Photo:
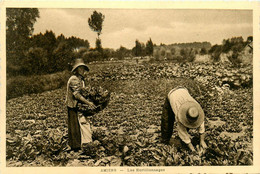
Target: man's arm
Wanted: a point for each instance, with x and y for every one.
(184, 136)
(191, 147)
(202, 141)
(202, 136)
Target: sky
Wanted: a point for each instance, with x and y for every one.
(122, 27)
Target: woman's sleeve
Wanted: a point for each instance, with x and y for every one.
(75, 86)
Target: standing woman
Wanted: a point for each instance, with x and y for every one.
(74, 85)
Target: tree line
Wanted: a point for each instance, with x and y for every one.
(45, 53)
(180, 52)
(234, 46)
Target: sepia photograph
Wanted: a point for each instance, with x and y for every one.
(129, 87)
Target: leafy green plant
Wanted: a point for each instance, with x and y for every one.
(99, 96)
(127, 133)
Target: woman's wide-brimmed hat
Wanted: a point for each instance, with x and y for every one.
(79, 62)
(191, 114)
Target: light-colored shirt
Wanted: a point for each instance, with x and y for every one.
(74, 85)
(177, 97)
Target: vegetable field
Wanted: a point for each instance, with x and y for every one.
(127, 131)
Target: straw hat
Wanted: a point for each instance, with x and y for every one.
(191, 114)
(79, 62)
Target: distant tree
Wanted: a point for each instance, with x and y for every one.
(156, 55)
(79, 52)
(213, 48)
(49, 41)
(46, 41)
(122, 52)
(35, 61)
(149, 47)
(108, 53)
(137, 50)
(98, 45)
(215, 52)
(59, 50)
(37, 40)
(187, 54)
(61, 38)
(234, 59)
(183, 52)
(191, 55)
(173, 51)
(95, 22)
(168, 54)
(237, 46)
(162, 44)
(75, 42)
(82, 52)
(226, 46)
(19, 27)
(235, 40)
(143, 50)
(235, 43)
(92, 55)
(62, 55)
(162, 53)
(203, 51)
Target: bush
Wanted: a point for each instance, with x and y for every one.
(156, 57)
(92, 55)
(215, 52)
(188, 54)
(162, 52)
(21, 85)
(203, 51)
(234, 59)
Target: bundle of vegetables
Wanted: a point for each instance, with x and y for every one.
(98, 95)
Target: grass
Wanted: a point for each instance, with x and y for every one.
(22, 85)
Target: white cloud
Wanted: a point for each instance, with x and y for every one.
(123, 27)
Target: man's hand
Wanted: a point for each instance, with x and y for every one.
(191, 147)
(202, 142)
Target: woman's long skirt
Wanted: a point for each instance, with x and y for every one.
(85, 129)
(74, 129)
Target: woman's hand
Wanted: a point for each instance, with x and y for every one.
(91, 105)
